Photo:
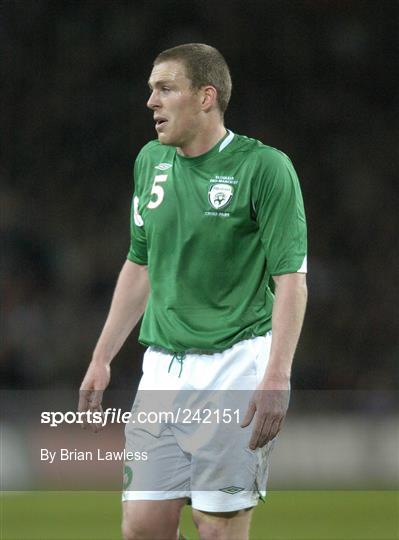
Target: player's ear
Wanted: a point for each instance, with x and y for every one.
(209, 97)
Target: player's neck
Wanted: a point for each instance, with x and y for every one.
(204, 140)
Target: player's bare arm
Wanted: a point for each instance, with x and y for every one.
(127, 306)
(269, 402)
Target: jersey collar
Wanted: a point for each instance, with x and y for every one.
(219, 147)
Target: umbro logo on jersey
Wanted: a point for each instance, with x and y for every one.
(163, 166)
(232, 490)
(220, 195)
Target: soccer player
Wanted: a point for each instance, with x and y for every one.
(217, 264)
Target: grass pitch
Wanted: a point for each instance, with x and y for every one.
(286, 515)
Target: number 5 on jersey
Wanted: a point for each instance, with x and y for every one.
(157, 190)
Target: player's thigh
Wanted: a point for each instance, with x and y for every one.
(223, 525)
(151, 520)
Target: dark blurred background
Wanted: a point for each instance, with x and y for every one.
(316, 79)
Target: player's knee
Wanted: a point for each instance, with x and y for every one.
(139, 523)
(210, 528)
(136, 526)
(136, 530)
(221, 526)
(211, 531)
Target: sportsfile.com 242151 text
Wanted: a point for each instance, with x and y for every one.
(113, 415)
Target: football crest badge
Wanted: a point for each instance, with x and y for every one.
(127, 476)
(220, 195)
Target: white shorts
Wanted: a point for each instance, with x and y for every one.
(191, 409)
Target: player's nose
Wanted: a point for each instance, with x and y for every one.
(153, 101)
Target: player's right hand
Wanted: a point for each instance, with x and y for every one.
(91, 392)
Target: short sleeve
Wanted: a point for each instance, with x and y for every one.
(138, 241)
(280, 214)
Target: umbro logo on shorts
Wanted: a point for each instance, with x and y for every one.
(232, 490)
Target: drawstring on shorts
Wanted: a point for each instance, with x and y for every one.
(180, 359)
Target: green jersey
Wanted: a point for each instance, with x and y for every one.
(213, 229)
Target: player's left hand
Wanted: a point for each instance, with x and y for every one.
(91, 393)
(268, 404)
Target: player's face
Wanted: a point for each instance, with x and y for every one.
(175, 104)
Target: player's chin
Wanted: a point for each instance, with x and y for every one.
(163, 138)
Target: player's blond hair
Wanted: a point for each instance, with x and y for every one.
(204, 65)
